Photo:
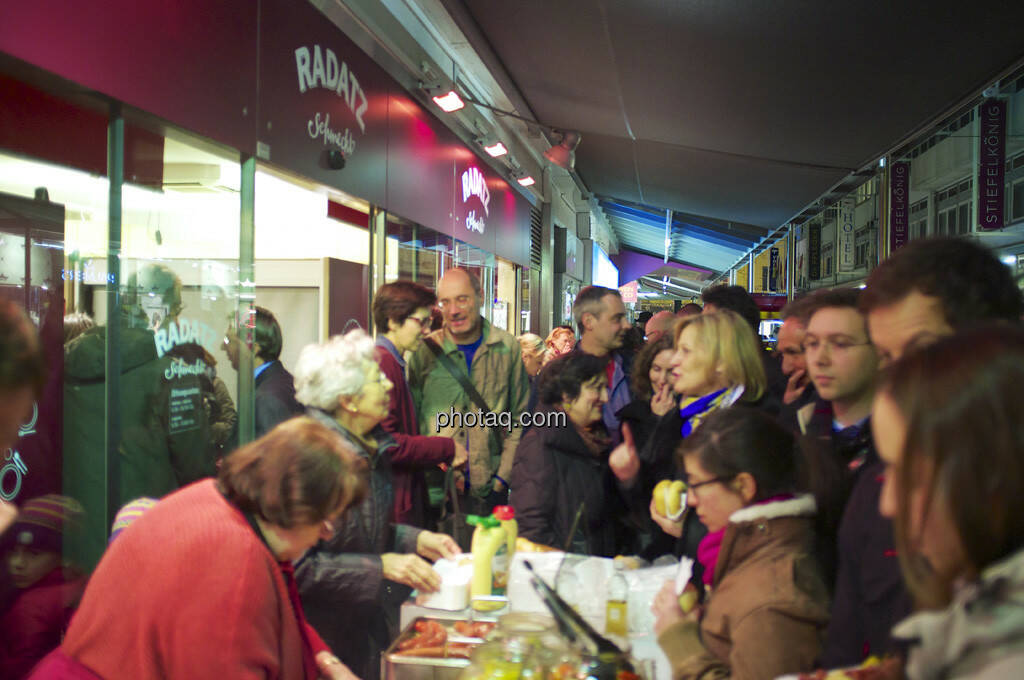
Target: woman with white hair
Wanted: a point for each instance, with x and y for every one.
(351, 585)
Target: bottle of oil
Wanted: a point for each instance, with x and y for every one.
(616, 621)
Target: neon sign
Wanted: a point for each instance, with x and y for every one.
(474, 184)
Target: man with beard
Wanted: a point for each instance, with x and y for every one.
(601, 318)
(469, 349)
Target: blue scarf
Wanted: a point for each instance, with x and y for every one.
(695, 411)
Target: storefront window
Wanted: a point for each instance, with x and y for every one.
(416, 253)
(504, 312)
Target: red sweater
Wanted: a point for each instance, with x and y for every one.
(190, 591)
(414, 453)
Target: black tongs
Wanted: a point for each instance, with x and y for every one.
(573, 626)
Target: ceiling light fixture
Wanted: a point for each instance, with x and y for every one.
(449, 102)
(525, 181)
(562, 154)
(496, 149)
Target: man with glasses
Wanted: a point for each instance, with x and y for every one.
(402, 314)
(468, 349)
(857, 545)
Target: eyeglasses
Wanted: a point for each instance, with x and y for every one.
(460, 301)
(693, 486)
(833, 345)
(422, 322)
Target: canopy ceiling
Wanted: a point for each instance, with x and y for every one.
(736, 114)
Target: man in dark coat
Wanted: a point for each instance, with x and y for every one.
(275, 388)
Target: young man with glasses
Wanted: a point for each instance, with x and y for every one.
(857, 546)
(402, 314)
(488, 359)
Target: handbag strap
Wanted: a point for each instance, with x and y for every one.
(456, 513)
(463, 380)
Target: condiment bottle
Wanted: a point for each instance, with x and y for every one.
(488, 539)
(505, 514)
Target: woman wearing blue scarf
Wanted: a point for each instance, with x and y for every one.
(717, 364)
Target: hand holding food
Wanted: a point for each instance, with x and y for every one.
(688, 600)
(666, 608)
(669, 498)
(670, 527)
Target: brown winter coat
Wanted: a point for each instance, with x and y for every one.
(769, 608)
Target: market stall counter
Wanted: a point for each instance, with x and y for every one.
(448, 637)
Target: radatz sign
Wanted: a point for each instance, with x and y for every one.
(899, 205)
(992, 164)
(323, 102)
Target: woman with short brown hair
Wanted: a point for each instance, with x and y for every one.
(202, 585)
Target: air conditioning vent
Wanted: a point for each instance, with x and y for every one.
(195, 178)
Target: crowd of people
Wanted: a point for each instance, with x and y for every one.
(857, 492)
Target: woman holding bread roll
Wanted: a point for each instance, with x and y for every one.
(767, 606)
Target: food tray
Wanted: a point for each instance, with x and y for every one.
(395, 666)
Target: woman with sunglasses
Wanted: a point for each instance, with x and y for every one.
(401, 313)
(948, 422)
(768, 604)
(352, 584)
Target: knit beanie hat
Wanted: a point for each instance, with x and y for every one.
(129, 513)
(43, 521)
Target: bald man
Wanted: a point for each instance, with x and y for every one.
(661, 323)
(491, 360)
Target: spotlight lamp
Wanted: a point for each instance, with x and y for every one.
(563, 154)
(449, 102)
(496, 149)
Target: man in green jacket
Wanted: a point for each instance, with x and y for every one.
(491, 359)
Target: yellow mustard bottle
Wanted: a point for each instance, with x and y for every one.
(502, 561)
(488, 539)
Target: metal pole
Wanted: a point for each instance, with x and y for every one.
(750, 272)
(112, 385)
(668, 232)
(790, 262)
(246, 313)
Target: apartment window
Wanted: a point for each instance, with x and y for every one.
(954, 209)
(919, 219)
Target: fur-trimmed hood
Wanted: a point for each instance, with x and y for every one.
(798, 506)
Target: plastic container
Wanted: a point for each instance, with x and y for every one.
(488, 539)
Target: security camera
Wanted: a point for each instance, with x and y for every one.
(335, 159)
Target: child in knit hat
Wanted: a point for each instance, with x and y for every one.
(128, 514)
(47, 591)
